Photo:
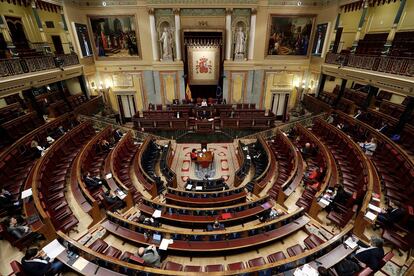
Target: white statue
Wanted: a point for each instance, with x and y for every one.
(166, 41)
(240, 40)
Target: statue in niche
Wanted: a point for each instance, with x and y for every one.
(166, 40)
(240, 43)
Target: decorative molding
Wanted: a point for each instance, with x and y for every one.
(202, 12)
(153, 2)
(303, 2)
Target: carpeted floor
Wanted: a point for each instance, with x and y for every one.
(224, 163)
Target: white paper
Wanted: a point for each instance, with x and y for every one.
(27, 193)
(199, 188)
(248, 157)
(80, 264)
(156, 214)
(323, 202)
(164, 243)
(108, 176)
(351, 243)
(188, 187)
(370, 216)
(374, 208)
(376, 199)
(120, 194)
(53, 249)
(306, 270)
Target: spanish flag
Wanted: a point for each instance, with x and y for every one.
(188, 93)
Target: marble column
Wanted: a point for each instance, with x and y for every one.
(65, 27)
(177, 33)
(38, 22)
(228, 34)
(332, 46)
(360, 25)
(154, 40)
(393, 30)
(250, 55)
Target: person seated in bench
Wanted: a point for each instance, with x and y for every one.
(391, 215)
(7, 203)
(308, 150)
(358, 114)
(369, 147)
(37, 149)
(365, 256)
(16, 229)
(150, 256)
(204, 102)
(35, 263)
(104, 145)
(118, 135)
(95, 182)
(193, 155)
(113, 200)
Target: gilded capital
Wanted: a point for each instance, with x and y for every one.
(176, 11)
(229, 11)
(151, 11)
(253, 11)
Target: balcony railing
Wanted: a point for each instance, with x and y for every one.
(17, 66)
(390, 65)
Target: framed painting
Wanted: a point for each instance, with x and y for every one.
(289, 35)
(114, 36)
(321, 32)
(83, 39)
(203, 62)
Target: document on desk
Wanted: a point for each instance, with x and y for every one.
(53, 249)
(370, 216)
(156, 214)
(80, 264)
(323, 202)
(351, 243)
(27, 193)
(165, 243)
(374, 208)
(108, 176)
(199, 188)
(188, 187)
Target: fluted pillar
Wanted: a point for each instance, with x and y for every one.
(177, 33)
(252, 34)
(154, 40)
(334, 48)
(228, 33)
(360, 25)
(393, 30)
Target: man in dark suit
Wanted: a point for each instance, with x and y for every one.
(7, 202)
(371, 256)
(95, 182)
(34, 263)
(391, 215)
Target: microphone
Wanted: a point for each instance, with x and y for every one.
(97, 266)
(318, 262)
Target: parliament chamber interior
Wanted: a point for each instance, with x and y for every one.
(245, 137)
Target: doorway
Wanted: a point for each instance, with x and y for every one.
(57, 43)
(126, 104)
(280, 103)
(17, 33)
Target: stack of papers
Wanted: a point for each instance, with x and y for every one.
(374, 208)
(306, 270)
(323, 202)
(120, 194)
(188, 187)
(53, 249)
(108, 176)
(370, 216)
(165, 243)
(156, 214)
(351, 243)
(80, 264)
(199, 188)
(27, 193)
